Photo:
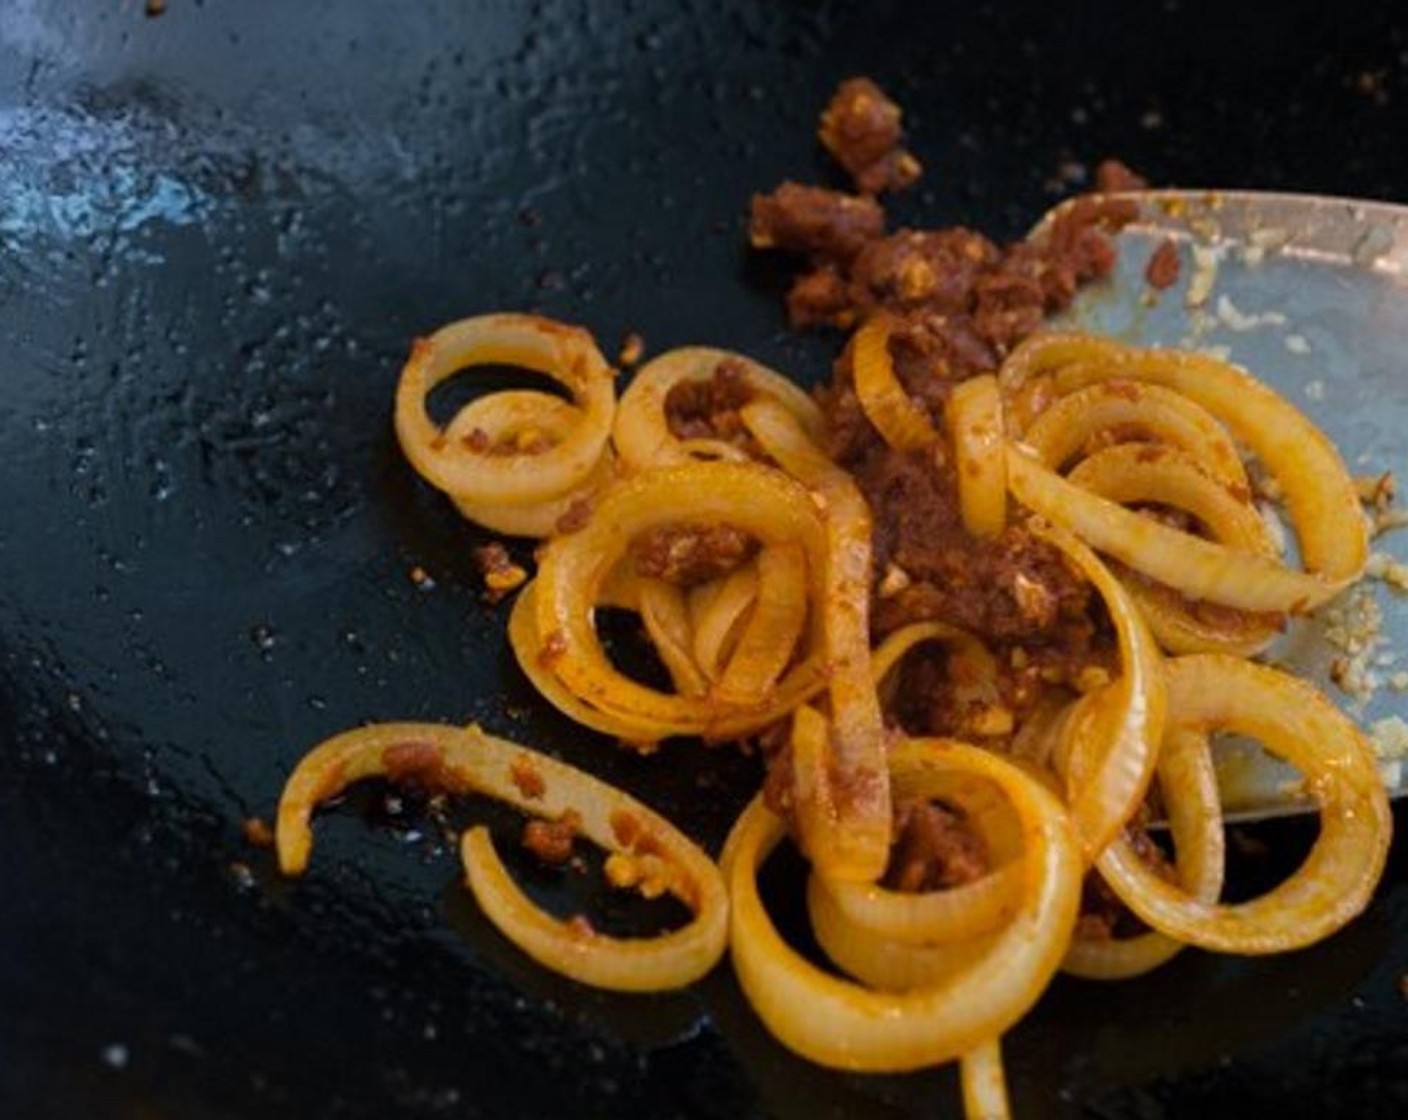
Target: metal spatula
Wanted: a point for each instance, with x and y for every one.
(1311, 294)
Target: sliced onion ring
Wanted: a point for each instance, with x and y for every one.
(1112, 735)
(1291, 719)
(856, 844)
(901, 423)
(1188, 785)
(975, 426)
(1065, 428)
(756, 499)
(565, 353)
(1199, 568)
(642, 433)
(503, 416)
(1320, 494)
(836, 1023)
(1131, 473)
(466, 759)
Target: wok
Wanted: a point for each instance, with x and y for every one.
(219, 230)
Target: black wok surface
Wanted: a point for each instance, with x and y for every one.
(219, 230)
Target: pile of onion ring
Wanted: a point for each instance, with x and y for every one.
(1079, 438)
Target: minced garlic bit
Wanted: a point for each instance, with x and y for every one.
(1297, 344)
(1206, 259)
(1389, 737)
(1382, 566)
(1235, 319)
(1275, 527)
(1354, 627)
(1315, 390)
(991, 721)
(1092, 677)
(648, 874)
(895, 580)
(1384, 521)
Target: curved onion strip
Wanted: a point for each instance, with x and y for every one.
(975, 425)
(528, 645)
(897, 643)
(666, 620)
(1043, 729)
(836, 1023)
(972, 669)
(642, 432)
(1130, 473)
(671, 960)
(509, 417)
(701, 447)
(538, 519)
(955, 913)
(1112, 738)
(1319, 492)
(1295, 722)
(773, 629)
(1068, 425)
(901, 423)
(1024, 402)
(756, 499)
(1199, 568)
(886, 963)
(717, 610)
(1188, 784)
(856, 844)
(566, 354)
(466, 759)
(1179, 627)
(623, 587)
(984, 1083)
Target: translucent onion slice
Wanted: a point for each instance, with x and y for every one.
(513, 416)
(975, 425)
(466, 759)
(1188, 785)
(642, 432)
(836, 1023)
(478, 476)
(1129, 473)
(756, 499)
(528, 646)
(1198, 568)
(1132, 473)
(1170, 418)
(901, 423)
(984, 1082)
(956, 913)
(856, 845)
(972, 667)
(1111, 737)
(1293, 721)
(1319, 491)
(717, 610)
(886, 963)
(774, 627)
(666, 619)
